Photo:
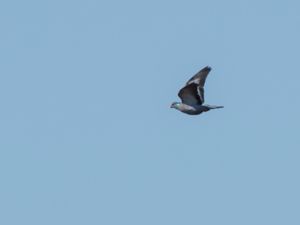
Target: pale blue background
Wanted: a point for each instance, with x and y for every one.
(87, 135)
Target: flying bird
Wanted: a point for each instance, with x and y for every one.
(192, 95)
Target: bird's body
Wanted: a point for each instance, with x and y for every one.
(194, 109)
(192, 95)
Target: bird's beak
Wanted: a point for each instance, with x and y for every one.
(171, 106)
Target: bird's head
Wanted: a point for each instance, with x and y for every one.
(175, 105)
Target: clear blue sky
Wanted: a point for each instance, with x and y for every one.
(87, 135)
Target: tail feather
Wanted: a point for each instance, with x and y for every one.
(214, 107)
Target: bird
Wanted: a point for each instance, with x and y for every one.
(192, 95)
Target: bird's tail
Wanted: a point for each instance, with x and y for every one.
(214, 106)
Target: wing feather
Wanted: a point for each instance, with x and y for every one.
(190, 94)
(200, 77)
(193, 92)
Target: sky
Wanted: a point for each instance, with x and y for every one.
(87, 133)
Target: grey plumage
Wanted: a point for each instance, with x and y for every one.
(192, 95)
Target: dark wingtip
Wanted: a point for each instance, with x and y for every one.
(207, 68)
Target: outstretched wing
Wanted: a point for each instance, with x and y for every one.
(193, 92)
(200, 77)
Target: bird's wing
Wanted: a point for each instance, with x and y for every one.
(200, 77)
(191, 94)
